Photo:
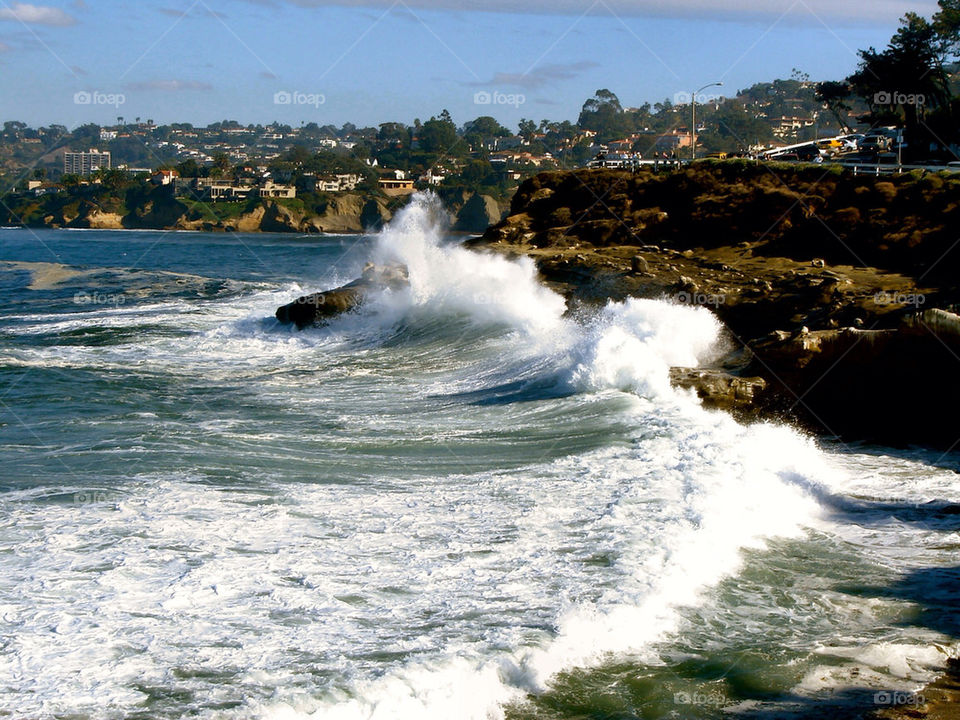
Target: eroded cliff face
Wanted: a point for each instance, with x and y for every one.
(837, 292)
(347, 213)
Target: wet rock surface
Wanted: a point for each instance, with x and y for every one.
(317, 308)
(843, 346)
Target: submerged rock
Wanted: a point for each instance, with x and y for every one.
(319, 307)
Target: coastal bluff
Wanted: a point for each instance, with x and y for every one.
(159, 209)
(838, 292)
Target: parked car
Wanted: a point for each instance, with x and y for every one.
(875, 143)
(851, 142)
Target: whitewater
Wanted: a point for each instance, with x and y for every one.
(462, 500)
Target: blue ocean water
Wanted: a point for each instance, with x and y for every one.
(457, 502)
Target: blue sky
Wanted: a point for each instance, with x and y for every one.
(372, 61)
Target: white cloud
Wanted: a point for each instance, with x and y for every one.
(36, 15)
(169, 85)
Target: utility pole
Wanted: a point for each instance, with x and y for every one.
(693, 118)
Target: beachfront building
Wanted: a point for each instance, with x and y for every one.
(164, 177)
(395, 182)
(218, 189)
(270, 189)
(789, 125)
(340, 182)
(432, 177)
(84, 163)
(672, 141)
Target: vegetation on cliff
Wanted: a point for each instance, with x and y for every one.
(899, 222)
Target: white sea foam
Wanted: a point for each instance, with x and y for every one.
(428, 597)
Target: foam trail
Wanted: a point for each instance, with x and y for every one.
(688, 502)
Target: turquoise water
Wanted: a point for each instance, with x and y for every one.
(457, 502)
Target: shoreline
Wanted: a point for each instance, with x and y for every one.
(819, 337)
(791, 318)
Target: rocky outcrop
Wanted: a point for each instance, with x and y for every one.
(375, 214)
(904, 223)
(893, 385)
(251, 221)
(161, 210)
(317, 308)
(721, 390)
(477, 214)
(98, 220)
(840, 346)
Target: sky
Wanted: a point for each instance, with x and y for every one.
(374, 61)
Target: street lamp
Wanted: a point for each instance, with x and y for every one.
(693, 118)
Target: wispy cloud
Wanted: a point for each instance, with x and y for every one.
(168, 86)
(198, 12)
(36, 15)
(538, 76)
(876, 12)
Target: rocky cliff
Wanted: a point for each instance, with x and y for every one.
(837, 292)
(158, 209)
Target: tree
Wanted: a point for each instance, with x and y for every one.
(906, 80)
(115, 179)
(189, 168)
(485, 126)
(438, 136)
(221, 165)
(394, 133)
(835, 95)
(527, 128)
(70, 182)
(733, 129)
(12, 129)
(946, 22)
(604, 114)
(477, 173)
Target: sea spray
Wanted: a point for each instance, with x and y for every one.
(452, 280)
(688, 502)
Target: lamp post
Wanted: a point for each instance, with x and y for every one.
(693, 118)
